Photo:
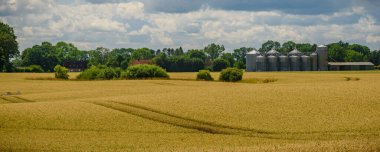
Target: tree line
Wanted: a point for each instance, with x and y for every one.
(213, 57)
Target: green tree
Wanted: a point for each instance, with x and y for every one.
(220, 64)
(306, 47)
(353, 56)
(214, 51)
(239, 55)
(119, 57)
(42, 55)
(374, 57)
(270, 44)
(8, 47)
(288, 46)
(336, 52)
(229, 57)
(197, 54)
(142, 54)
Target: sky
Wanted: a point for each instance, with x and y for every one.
(191, 24)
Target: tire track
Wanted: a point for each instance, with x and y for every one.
(15, 99)
(213, 128)
(180, 121)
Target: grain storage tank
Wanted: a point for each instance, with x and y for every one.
(273, 52)
(322, 58)
(295, 57)
(261, 63)
(295, 63)
(272, 63)
(284, 63)
(314, 61)
(306, 63)
(251, 59)
(295, 52)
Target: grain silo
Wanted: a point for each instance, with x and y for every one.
(322, 58)
(295, 60)
(261, 63)
(314, 61)
(306, 63)
(251, 59)
(272, 60)
(284, 63)
(272, 63)
(295, 63)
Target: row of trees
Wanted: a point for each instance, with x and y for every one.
(212, 57)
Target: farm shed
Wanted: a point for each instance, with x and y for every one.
(346, 66)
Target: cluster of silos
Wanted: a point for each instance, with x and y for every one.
(294, 61)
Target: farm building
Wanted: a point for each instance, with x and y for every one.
(293, 61)
(346, 66)
(299, 61)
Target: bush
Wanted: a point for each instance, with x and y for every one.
(204, 75)
(144, 71)
(31, 68)
(220, 64)
(106, 74)
(60, 72)
(231, 75)
(100, 73)
(89, 74)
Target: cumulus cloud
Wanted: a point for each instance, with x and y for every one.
(124, 23)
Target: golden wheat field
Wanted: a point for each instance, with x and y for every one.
(299, 111)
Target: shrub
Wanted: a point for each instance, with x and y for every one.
(204, 75)
(231, 75)
(220, 64)
(89, 74)
(60, 72)
(31, 68)
(101, 73)
(143, 71)
(106, 74)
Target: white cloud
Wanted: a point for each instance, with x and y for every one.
(129, 25)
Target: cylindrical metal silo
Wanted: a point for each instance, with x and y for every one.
(306, 63)
(251, 59)
(322, 58)
(295, 63)
(261, 63)
(284, 63)
(272, 63)
(314, 61)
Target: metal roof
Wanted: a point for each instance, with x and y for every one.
(254, 51)
(273, 52)
(350, 63)
(295, 52)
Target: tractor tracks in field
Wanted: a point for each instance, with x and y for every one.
(215, 128)
(180, 121)
(14, 99)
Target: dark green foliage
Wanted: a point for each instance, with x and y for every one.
(144, 71)
(214, 51)
(183, 64)
(31, 69)
(99, 73)
(229, 57)
(270, 45)
(8, 47)
(231, 75)
(197, 54)
(142, 54)
(204, 75)
(89, 74)
(220, 64)
(60, 72)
